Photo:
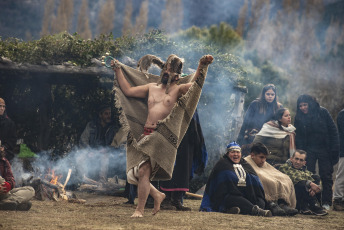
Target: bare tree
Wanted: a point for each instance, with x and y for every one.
(172, 16)
(142, 19)
(106, 17)
(127, 25)
(63, 20)
(242, 19)
(83, 21)
(47, 18)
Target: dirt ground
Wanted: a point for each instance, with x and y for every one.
(110, 212)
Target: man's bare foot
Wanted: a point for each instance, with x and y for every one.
(137, 214)
(157, 202)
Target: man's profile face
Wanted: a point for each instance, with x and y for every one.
(298, 160)
(234, 155)
(259, 159)
(105, 116)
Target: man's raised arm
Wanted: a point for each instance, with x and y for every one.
(203, 63)
(129, 91)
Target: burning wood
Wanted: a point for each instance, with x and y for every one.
(113, 186)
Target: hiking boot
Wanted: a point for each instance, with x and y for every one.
(318, 211)
(9, 205)
(233, 210)
(24, 206)
(167, 205)
(179, 206)
(288, 210)
(256, 211)
(338, 205)
(276, 210)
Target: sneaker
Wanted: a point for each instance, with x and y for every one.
(305, 211)
(10, 205)
(256, 211)
(338, 205)
(326, 207)
(24, 206)
(318, 211)
(233, 210)
(288, 210)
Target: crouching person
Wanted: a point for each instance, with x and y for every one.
(278, 188)
(305, 184)
(234, 187)
(12, 198)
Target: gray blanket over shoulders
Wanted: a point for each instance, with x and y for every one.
(160, 146)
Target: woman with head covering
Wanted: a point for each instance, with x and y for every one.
(316, 133)
(259, 111)
(278, 135)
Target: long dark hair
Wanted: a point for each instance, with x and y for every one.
(263, 104)
(313, 105)
(278, 116)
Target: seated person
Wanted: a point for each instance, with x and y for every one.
(278, 188)
(303, 180)
(98, 135)
(12, 198)
(234, 187)
(279, 137)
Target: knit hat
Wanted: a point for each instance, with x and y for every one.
(2, 101)
(233, 146)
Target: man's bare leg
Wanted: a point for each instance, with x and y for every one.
(143, 188)
(158, 198)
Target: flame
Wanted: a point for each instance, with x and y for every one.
(54, 178)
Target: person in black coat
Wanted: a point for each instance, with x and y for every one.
(316, 133)
(338, 195)
(259, 112)
(8, 136)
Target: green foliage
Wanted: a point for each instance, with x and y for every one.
(56, 49)
(25, 152)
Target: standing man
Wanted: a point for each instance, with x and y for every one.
(163, 117)
(98, 134)
(7, 132)
(338, 195)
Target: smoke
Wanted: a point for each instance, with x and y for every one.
(86, 161)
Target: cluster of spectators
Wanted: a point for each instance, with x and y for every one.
(278, 176)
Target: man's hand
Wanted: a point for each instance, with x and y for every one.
(206, 60)
(115, 65)
(314, 189)
(5, 187)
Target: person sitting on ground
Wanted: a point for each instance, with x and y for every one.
(278, 135)
(305, 184)
(278, 188)
(12, 198)
(234, 187)
(98, 134)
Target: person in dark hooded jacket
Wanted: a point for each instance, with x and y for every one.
(8, 136)
(316, 133)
